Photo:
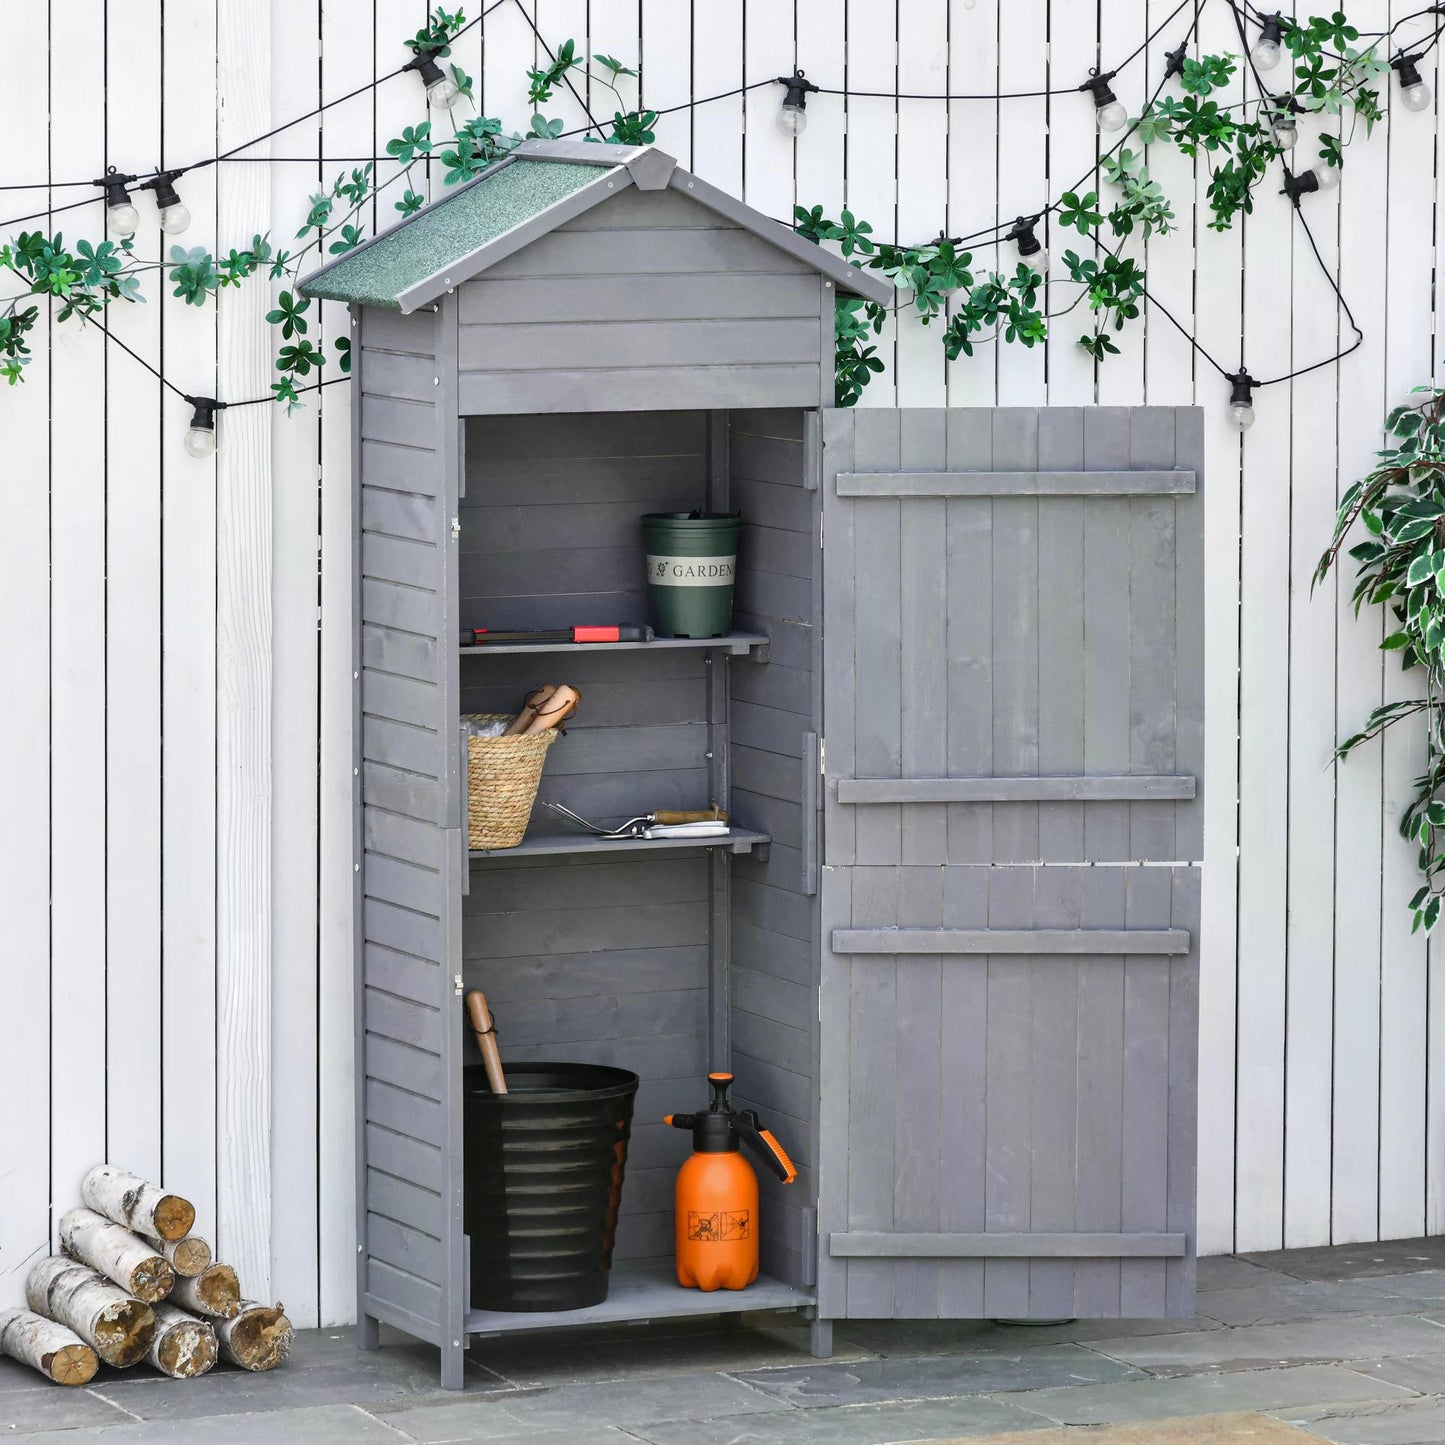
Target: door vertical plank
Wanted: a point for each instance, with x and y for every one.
(1101, 1084)
(1061, 633)
(1183, 1123)
(840, 636)
(962, 1136)
(1153, 663)
(835, 1047)
(1015, 635)
(924, 628)
(1055, 1047)
(1008, 1143)
(877, 564)
(969, 726)
(918, 1100)
(872, 1085)
(1106, 670)
(1145, 1155)
(1189, 642)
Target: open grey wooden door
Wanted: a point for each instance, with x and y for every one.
(1013, 750)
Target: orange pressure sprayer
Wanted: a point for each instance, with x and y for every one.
(717, 1193)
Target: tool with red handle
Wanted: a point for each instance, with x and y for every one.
(488, 637)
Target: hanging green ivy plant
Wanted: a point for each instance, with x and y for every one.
(1400, 564)
(1236, 140)
(89, 277)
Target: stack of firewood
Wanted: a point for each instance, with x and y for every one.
(135, 1284)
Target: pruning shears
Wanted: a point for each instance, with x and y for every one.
(664, 823)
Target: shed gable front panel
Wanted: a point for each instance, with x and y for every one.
(647, 302)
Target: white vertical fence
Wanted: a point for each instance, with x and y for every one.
(175, 834)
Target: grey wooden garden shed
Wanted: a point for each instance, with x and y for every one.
(950, 946)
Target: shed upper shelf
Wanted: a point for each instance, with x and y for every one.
(736, 644)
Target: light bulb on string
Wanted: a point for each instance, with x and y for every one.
(1266, 52)
(1032, 251)
(1241, 399)
(1107, 110)
(793, 117)
(200, 439)
(174, 216)
(121, 215)
(441, 88)
(1414, 93)
(1321, 178)
(1283, 127)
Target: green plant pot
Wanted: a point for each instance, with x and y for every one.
(691, 563)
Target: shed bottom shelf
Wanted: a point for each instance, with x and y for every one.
(645, 1292)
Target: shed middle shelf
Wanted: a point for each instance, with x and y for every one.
(543, 841)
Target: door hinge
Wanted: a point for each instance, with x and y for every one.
(822, 757)
(822, 526)
(456, 528)
(457, 984)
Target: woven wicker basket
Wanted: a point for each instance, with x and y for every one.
(502, 779)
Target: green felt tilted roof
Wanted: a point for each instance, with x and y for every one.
(379, 273)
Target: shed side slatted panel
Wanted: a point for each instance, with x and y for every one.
(594, 314)
(772, 1005)
(402, 782)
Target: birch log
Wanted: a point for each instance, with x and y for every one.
(184, 1346)
(189, 1256)
(129, 1200)
(215, 1291)
(119, 1328)
(119, 1255)
(259, 1337)
(58, 1353)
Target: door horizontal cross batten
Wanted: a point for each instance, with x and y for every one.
(863, 1244)
(1072, 789)
(1137, 942)
(1016, 484)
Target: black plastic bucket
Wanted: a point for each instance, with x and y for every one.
(543, 1181)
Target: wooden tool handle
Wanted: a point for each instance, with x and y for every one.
(486, 1032)
(713, 814)
(558, 706)
(527, 716)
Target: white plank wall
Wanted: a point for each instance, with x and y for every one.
(175, 860)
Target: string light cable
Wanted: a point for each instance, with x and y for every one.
(122, 217)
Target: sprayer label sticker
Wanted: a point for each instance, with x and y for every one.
(691, 571)
(715, 1228)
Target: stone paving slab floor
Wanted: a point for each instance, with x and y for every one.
(1340, 1346)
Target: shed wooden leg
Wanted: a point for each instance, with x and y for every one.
(368, 1333)
(454, 1356)
(820, 1339)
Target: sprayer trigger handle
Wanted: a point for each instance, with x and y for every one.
(766, 1146)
